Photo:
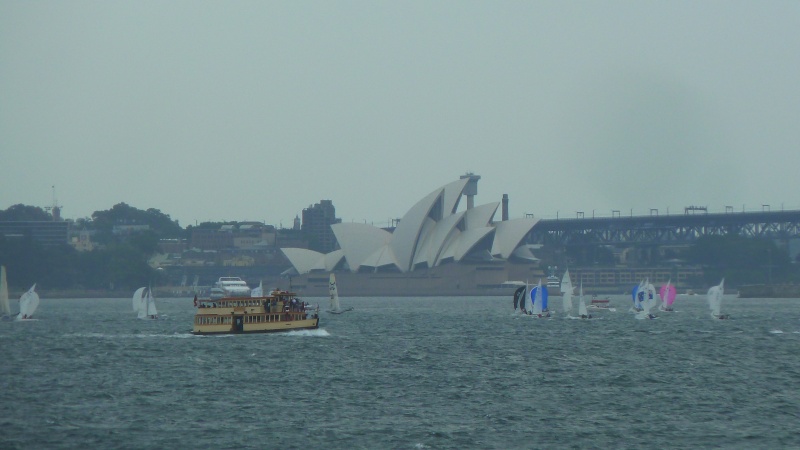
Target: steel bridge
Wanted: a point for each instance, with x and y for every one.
(665, 230)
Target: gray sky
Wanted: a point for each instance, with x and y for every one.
(255, 110)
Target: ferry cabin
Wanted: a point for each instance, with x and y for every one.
(280, 311)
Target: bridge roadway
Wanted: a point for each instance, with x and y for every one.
(671, 229)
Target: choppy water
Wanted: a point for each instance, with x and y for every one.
(404, 373)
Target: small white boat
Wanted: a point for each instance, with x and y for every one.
(231, 287)
(336, 308)
(28, 304)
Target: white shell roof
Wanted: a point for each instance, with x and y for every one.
(468, 240)
(481, 216)
(424, 242)
(452, 195)
(406, 236)
(303, 259)
(525, 252)
(380, 258)
(428, 234)
(359, 240)
(332, 259)
(444, 229)
(509, 234)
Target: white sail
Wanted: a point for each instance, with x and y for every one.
(715, 299)
(650, 295)
(640, 295)
(137, 299)
(334, 293)
(142, 311)
(152, 312)
(567, 298)
(566, 283)
(581, 305)
(5, 307)
(663, 297)
(645, 305)
(566, 290)
(259, 291)
(28, 303)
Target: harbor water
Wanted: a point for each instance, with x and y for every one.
(438, 373)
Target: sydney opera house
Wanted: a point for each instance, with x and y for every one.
(436, 248)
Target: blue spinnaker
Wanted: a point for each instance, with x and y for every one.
(544, 296)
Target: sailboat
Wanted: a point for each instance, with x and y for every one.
(259, 291)
(645, 312)
(5, 307)
(638, 297)
(144, 304)
(28, 304)
(646, 299)
(336, 308)
(667, 293)
(539, 301)
(650, 295)
(519, 298)
(566, 292)
(138, 297)
(582, 312)
(150, 303)
(715, 301)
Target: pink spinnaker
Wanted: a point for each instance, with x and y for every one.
(668, 293)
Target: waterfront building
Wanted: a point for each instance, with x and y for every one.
(316, 225)
(46, 233)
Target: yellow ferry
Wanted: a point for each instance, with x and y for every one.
(279, 311)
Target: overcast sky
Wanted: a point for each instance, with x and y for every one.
(256, 110)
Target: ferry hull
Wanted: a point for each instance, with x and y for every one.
(272, 327)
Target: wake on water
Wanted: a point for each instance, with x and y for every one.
(320, 332)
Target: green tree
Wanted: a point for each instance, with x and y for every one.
(122, 214)
(20, 212)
